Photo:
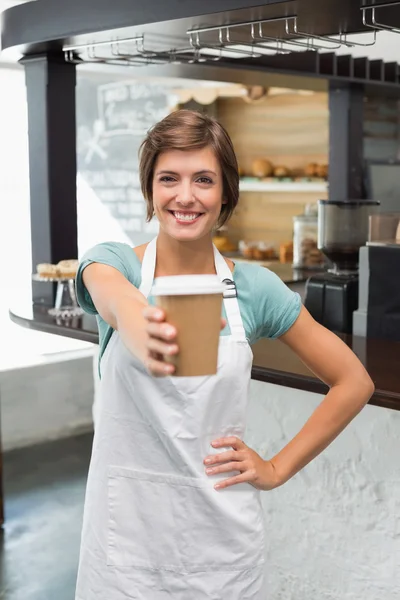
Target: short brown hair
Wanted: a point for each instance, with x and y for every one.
(189, 130)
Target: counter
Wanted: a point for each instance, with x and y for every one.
(285, 271)
(273, 362)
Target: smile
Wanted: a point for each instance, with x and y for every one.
(185, 217)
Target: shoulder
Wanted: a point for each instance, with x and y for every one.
(114, 254)
(119, 255)
(274, 306)
(107, 249)
(258, 277)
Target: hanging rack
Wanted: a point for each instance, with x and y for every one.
(78, 47)
(277, 41)
(253, 42)
(226, 44)
(71, 52)
(296, 32)
(374, 24)
(307, 45)
(313, 42)
(140, 57)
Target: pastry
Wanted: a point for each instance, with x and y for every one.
(322, 171)
(68, 268)
(262, 168)
(286, 252)
(281, 171)
(311, 170)
(258, 254)
(47, 270)
(248, 252)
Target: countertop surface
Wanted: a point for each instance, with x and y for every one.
(285, 271)
(273, 362)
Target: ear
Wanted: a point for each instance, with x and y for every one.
(224, 201)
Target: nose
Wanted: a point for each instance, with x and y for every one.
(185, 195)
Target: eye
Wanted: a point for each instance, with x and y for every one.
(205, 180)
(167, 178)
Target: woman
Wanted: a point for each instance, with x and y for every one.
(173, 497)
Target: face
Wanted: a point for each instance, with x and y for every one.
(187, 192)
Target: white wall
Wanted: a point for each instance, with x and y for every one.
(333, 531)
(45, 402)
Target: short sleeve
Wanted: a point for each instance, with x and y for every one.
(276, 306)
(114, 254)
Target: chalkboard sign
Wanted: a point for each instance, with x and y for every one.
(112, 120)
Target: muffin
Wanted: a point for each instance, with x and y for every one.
(67, 268)
(47, 270)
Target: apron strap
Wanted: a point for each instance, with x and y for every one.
(231, 303)
(230, 299)
(148, 268)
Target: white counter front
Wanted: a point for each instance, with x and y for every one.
(333, 531)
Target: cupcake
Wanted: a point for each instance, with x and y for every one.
(67, 268)
(47, 270)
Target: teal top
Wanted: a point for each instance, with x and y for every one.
(267, 306)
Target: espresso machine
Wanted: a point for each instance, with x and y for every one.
(332, 297)
(378, 311)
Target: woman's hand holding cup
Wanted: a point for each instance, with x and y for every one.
(161, 342)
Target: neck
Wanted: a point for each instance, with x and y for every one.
(184, 258)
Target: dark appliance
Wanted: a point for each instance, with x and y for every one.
(382, 184)
(332, 297)
(378, 312)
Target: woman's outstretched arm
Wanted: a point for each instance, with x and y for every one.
(127, 311)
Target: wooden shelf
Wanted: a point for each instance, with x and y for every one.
(283, 186)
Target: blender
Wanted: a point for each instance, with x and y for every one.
(343, 227)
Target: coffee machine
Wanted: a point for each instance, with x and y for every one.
(378, 311)
(332, 297)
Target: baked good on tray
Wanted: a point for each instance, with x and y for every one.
(68, 268)
(47, 270)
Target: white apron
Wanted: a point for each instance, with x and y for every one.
(154, 526)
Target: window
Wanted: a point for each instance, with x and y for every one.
(18, 346)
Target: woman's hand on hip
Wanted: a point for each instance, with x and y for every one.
(161, 342)
(253, 469)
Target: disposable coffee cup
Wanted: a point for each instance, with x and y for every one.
(193, 305)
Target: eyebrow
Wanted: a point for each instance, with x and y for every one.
(197, 172)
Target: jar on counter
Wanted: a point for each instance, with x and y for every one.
(305, 240)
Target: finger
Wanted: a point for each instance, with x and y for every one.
(161, 348)
(159, 368)
(223, 457)
(156, 356)
(152, 313)
(230, 466)
(223, 323)
(232, 441)
(161, 331)
(242, 478)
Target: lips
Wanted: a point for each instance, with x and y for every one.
(185, 216)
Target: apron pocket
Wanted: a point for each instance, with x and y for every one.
(168, 522)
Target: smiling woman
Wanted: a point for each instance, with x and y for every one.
(206, 173)
(192, 197)
(173, 490)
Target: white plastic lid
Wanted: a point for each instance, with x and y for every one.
(187, 285)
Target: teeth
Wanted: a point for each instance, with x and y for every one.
(185, 216)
